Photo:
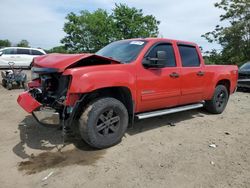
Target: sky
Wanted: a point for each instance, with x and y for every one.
(41, 21)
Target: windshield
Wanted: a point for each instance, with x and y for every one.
(246, 66)
(124, 51)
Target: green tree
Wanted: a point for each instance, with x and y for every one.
(5, 43)
(131, 23)
(23, 43)
(88, 32)
(234, 38)
(57, 49)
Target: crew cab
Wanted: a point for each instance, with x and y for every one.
(99, 95)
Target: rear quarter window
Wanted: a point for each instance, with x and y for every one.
(36, 52)
(189, 56)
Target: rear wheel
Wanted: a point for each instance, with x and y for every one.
(25, 86)
(4, 83)
(9, 86)
(219, 101)
(103, 123)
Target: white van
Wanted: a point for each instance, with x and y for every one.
(22, 57)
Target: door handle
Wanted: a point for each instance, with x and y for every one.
(200, 73)
(174, 75)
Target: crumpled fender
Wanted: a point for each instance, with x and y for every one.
(88, 79)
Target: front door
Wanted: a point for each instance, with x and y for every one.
(159, 87)
(7, 56)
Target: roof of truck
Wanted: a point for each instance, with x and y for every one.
(165, 39)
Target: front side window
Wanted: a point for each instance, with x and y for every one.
(21, 51)
(9, 51)
(170, 57)
(189, 56)
(125, 51)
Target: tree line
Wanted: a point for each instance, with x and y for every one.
(7, 43)
(90, 31)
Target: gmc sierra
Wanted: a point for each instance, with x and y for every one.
(99, 95)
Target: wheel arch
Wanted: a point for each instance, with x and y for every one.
(120, 93)
(226, 83)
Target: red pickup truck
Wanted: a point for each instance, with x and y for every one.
(99, 95)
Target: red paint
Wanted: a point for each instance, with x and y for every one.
(150, 88)
(27, 102)
(34, 83)
(71, 99)
(62, 61)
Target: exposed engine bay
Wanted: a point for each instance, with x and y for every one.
(53, 87)
(49, 86)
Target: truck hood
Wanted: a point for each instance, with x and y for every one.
(64, 61)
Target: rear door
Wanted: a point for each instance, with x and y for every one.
(158, 87)
(23, 57)
(192, 74)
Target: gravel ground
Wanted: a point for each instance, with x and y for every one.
(167, 151)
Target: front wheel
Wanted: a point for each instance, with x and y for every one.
(219, 101)
(103, 123)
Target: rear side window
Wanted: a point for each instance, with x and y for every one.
(9, 51)
(189, 56)
(23, 51)
(170, 58)
(36, 52)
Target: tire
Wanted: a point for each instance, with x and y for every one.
(4, 83)
(219, 101)
(25, 86)
(103, 122)
(18, 84)
(9, 86)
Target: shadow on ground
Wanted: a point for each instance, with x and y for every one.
(50, 140)
(243, 90)
(169, 120)
(55, 154)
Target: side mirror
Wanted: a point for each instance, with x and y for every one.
(157, 62)
(1, 53)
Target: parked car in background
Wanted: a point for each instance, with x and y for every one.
(20, 56)
(244, 76)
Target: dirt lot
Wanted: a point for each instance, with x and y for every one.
(152, 154)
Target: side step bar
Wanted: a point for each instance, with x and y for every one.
(169, 111)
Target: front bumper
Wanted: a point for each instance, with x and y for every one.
(27, 102)
(45, 116)
(243, 83)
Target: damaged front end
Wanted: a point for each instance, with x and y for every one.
(46, 96)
